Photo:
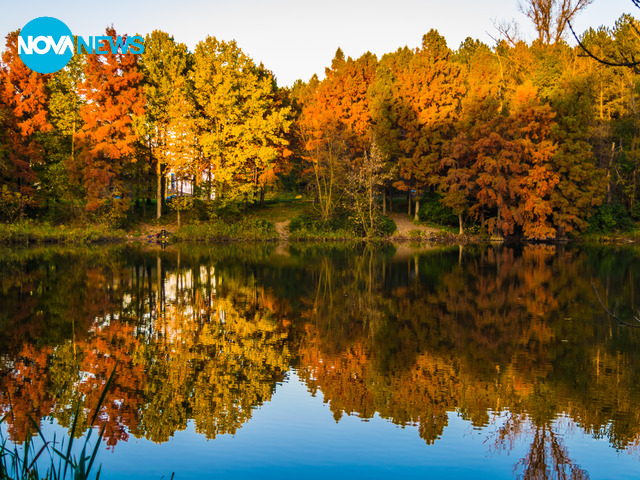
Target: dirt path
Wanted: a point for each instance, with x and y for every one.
(283, 229)
(405, 225)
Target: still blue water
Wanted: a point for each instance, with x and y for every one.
(339, 362)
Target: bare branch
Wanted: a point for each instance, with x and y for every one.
(508, 30)
(551, 17)
(615, 63)
(567, 11)
(623, 62)
(621, 322)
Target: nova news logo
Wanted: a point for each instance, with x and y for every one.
(46, 45)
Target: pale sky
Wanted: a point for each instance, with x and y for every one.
(297, 38)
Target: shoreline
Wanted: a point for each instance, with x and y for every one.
(32, 233)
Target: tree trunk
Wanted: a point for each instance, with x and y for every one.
(384, 201)
(163, 188)
(159, 190)
(497, 231)
(601, 100)
(460, 222)
(633, 193)
(409, 202)
(417, 208)
(613, 146)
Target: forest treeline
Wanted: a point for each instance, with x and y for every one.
(532, 139)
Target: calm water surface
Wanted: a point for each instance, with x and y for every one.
(334, 361)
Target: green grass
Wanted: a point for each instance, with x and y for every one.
(257, 224)
(247, 229)
(28, 232)
(632, 235)
(305, 234)
(439, 226)
(280, 208)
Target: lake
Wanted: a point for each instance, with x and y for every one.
(342, 361)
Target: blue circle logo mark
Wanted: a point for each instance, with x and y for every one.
(45, 44)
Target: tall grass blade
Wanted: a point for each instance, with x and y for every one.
(45, 444)
(35, 458)
(71, 438)
(104, 394)
(95, 449)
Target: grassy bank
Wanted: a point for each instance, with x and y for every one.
(323, 235)
(283, 217)
(248, 229)
(32, 232)
(631, 236)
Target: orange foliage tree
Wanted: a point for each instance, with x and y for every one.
(23, 117)
(108, 139)
(335, 125)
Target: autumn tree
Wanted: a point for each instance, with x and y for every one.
(57, 192)
(108, 140)
(240, 123)
(325, 150)
(480, 167)
(183, 153)
(619, 138)
(386, 108)
(531, 123)
(23, 116)
(423, 95)
(364, 184)
(165, 65)
(580, 188)
(335, 126)
(463, 156)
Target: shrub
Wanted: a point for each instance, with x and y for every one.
(432, 210)
(635, 211)
(304, 221)
(609, 218)
(219, 230)
(474, 229)
(343, 224)
(386, 225)
(11, 204)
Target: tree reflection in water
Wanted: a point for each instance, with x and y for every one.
(207, 334)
